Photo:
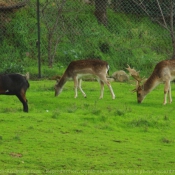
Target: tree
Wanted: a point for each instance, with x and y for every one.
(163, 13)
(100, 11)
(9, 6)
(51, 15)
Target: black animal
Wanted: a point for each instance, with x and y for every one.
(15, 84)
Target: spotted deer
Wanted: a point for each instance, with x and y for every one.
(164, 72)
(80, 68)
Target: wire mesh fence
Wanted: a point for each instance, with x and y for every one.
(120, 32)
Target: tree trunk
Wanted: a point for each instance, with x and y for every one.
(100, 11)
(172, 32)
(173, 44)
(50, 61)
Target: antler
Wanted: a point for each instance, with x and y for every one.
(134, 74)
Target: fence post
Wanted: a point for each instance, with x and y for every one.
(38, 41)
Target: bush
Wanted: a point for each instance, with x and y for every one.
(12, 68)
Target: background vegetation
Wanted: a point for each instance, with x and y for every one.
(128, 39)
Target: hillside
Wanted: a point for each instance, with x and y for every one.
(127, 39)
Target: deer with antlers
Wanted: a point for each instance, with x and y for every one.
(80, 68)
(164, 72)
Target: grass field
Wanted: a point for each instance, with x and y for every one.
(63, 135)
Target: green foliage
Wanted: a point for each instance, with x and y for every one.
(152, 7)
(128, 39)
(18, 45)
(12, 68)
(11, 65)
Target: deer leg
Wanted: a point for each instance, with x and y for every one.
(166, 90)
(169, 93)
(110, 88)
(104, 80)
(22, 97)
(75, 86)
(79, 86)
(102, 89)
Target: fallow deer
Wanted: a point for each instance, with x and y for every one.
(164, 72)
(80, 68)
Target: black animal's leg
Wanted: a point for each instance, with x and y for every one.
(23, 100)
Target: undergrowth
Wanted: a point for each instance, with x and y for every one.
(127, 39)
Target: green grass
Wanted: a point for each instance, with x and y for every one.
(63, 135)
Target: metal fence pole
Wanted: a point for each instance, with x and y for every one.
(38, 41)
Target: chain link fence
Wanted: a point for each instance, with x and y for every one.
(42, 37)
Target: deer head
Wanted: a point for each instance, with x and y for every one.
(57, 87)
(139, 88)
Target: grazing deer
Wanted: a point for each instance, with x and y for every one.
(15, 84)
(80, 68)
(164, 72)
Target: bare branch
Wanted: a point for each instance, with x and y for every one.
(51, 19)
(143, 7)
(166, 26)
(55, 48)
(58, 15)
(171, 20)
